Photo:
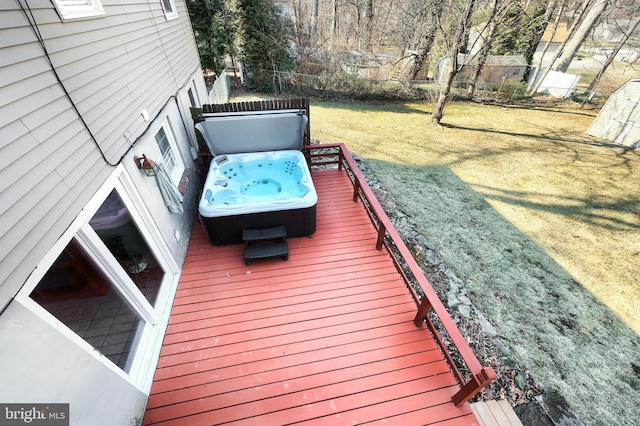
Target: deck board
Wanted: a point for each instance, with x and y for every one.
(326, 337)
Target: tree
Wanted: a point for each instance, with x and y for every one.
(520, 29)
(215, 24)
(266, 35)
(626, 34)
(490, 31)
(253, 30)
(429, 17)
(451, 61)
(552, 34)
(589, 21)
(579, 13)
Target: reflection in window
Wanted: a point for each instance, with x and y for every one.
(77, 293)
(117, 230)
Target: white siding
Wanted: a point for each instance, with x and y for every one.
(623, 104)
(113, 67)
(119, 404)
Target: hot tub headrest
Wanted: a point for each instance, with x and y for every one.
(232, 133)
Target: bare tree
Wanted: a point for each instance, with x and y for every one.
(589, 21)
(429, 17)
(371, 14)
(314, 21)
(451, 62)
(487, 40)
(552, 34)
(334, 22)
(626, 34)
(570, 32)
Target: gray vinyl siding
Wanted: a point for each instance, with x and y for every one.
(113, 66)
(599, 126)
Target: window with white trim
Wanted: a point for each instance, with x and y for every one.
(169, 7)
(169, 150)
(78, 9)
(107, 284)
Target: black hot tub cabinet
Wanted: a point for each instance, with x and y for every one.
(259, 187)
(228, 229)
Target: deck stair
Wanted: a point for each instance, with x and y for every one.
(274, 243)
(495, 413)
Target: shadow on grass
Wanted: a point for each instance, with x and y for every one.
(568, 340)
(597, 211)
(542, 107)
(560, 140)
(551, 136)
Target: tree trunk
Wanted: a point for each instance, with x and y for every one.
(369, 25)
(451, 67)
(481, 58)
(449, 73)
(334, 23)
(581, 34)
(554, 29)
(314, 22)
(570, 33)
(424, 48)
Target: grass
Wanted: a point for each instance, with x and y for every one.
(541, 221)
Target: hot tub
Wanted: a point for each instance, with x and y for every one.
(258, 190)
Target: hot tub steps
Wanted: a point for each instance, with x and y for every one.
(260, 251)
(252, 235)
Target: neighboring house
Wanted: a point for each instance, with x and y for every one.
(497, 68)
(375, 66)
(619, 118)
(558, 37)
(90, 253)
(613, 32)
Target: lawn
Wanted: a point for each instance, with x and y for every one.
(540, 220)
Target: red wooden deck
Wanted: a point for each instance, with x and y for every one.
(326, 337)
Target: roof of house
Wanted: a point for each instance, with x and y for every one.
(558, 36)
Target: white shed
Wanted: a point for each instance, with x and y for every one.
(618, 119)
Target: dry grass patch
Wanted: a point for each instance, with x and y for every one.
(541, 221)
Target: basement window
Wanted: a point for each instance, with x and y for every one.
(169, 7)
(78, 9)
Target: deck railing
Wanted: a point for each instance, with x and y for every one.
(332, 155)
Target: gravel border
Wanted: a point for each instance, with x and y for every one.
(514, 382)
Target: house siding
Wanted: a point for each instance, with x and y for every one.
(113, 67)
(601, 126)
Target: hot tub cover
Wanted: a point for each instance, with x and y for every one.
(255, 131)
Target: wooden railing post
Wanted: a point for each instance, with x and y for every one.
(381, 233)
(476, 384)
(423, 311)
(356, 190)
(430, 302)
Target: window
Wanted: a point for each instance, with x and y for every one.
(78, 9)
(169, 9)
(193, 95)
(169, 151)
(109, 285)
